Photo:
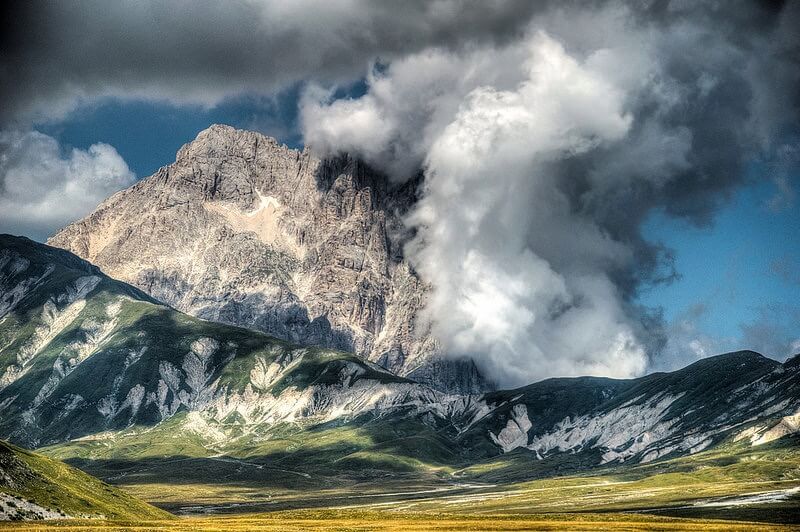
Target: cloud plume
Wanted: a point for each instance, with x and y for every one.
(542, 158)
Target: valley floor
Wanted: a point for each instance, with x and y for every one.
(729, 482)
(729, 488)
(360, 520)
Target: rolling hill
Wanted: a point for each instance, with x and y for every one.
(33, 486)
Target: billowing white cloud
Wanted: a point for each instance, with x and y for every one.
(542, 158)
(486, 127)
(394, 124)
(487, 183)
(43, 189)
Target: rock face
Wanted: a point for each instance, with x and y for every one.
(242, 230)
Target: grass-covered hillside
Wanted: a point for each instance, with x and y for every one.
(33, 486)
(81, 353)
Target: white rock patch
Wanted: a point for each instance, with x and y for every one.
(515, 433)
(787, 425)
(624, 432)
(15, 508)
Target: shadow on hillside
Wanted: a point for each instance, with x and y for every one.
(787, 512)
(265, 483)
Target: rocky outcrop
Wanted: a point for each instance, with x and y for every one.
(242, 230)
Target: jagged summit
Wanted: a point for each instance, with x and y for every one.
(220, 140)
(243, 230)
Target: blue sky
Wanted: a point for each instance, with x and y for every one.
(739, 275)
(736, 265)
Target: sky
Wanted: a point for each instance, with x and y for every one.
(609, 189)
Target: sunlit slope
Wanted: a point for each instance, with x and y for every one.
(81, 354)
(34, 486)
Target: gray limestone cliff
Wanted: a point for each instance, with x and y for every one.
(245, 231)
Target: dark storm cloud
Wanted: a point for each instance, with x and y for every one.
(56, 53)
(736, 69)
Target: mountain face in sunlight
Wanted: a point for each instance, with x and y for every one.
(88, 359)
(245, 231)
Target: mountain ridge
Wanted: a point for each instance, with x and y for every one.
(105, 365)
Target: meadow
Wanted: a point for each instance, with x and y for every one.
(732, 487)
(359, 520)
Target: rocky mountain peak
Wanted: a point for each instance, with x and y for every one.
(222, 141)
(243, 230)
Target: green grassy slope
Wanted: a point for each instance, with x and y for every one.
(99, 363)
(58, 487)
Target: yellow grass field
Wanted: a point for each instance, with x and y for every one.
(355, 520)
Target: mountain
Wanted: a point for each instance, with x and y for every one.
(242, 230)
(33, 486)
(100, 371)
(82, 353)
(662, 414)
